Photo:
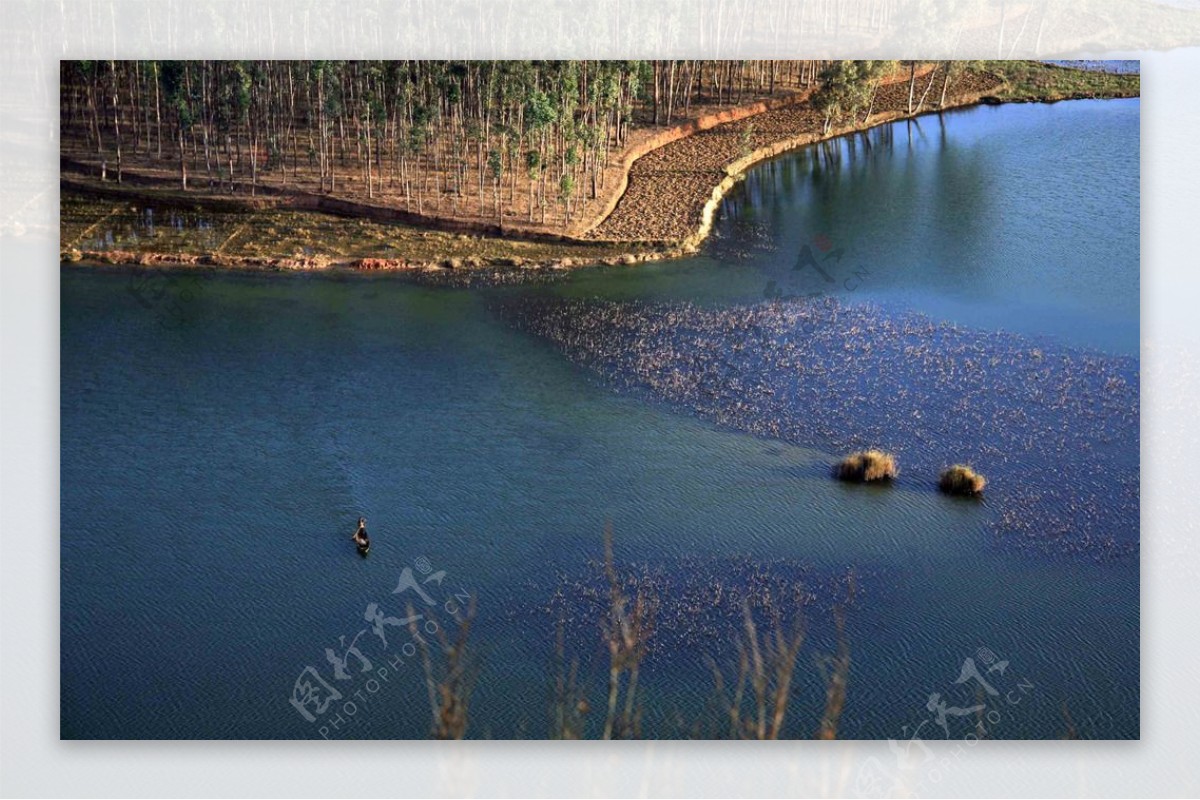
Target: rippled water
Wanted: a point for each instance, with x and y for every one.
(214, 460)
(1058, 428)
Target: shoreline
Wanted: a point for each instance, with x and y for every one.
(736, 171)
(557, 251)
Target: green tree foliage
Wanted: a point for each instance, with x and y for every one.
(846, 88)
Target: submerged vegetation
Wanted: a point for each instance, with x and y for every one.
(762, 689)
(867, 466)
(628, 627)
(961, 480)
(794, 371)
(753, 664)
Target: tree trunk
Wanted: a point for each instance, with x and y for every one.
(912, 82)
(370, 184)
(116, 117)
(945, 86)
(928, 86)
(182, 161)
(657, 82)
(157, 112)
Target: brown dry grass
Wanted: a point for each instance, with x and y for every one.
(962, 481)
(450, 672)
(867, 466)
(627, 631)
(766, 665)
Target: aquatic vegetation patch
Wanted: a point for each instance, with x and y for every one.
(842, 377)
(867, 466)
(708, 614)
(701, 600)
(961, 480)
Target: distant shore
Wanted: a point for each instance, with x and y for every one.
(670, 187)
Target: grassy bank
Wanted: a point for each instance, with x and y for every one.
(1034, 81)
(168, 231)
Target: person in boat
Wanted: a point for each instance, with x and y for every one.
(360, 535)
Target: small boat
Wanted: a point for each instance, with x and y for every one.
(360, 538)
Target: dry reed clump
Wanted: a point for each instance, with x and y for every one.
(766, 664)
(627, 633)
(867, 465)
(961, 480)
(450, 671)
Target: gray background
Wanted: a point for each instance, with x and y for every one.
(35, 35)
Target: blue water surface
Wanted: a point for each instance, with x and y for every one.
(212, 470)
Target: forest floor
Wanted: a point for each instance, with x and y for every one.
(659, 205)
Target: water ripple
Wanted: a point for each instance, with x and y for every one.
(1055, 429)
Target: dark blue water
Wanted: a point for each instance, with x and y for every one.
(213, 466)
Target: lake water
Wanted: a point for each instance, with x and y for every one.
(213, 466)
